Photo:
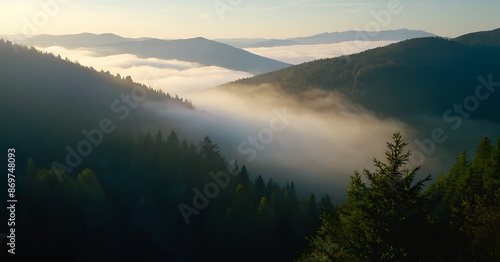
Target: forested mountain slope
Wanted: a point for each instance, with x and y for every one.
(424, 76)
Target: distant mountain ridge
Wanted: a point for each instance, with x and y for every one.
(74, 41)
(330, 38)
(198, 50)
(338, 37)
(201, 50)
(273, 43)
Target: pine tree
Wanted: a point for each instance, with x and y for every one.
(326, 204)
(453, 186)
(210, 154)
(381, 220)
(483, 153)
(243, 178)
(173, 140)
(481, 165)
(208, 148)
(495, 161)
(159, 138)
(184, 147)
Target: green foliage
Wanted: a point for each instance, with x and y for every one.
(136, 193)
(382, 219)
(495, 161)
(475, 207)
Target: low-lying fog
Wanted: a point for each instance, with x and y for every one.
(316, 140)
(297, 54)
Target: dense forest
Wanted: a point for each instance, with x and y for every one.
(150, 196)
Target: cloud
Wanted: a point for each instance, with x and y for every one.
(297, 54)
(172, 76)
(182, 82)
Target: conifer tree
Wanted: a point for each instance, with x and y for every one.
(383, 219)
(173, 140)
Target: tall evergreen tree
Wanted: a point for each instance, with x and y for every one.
(159, 138)
(211, 155)
(495, 161)
(173, 140)
(326, 204)
(208, 148)
(382, 220)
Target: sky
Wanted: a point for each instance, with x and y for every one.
(214, 19)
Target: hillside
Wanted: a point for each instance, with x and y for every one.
(414, 77)
(49, 101)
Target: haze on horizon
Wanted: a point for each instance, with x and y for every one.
(242, 19)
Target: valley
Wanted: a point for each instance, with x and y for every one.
(183, 146)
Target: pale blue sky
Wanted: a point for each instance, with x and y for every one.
(241, 18)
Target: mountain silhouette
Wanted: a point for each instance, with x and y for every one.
(328, 38)
(198, 50)
(338, 37)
